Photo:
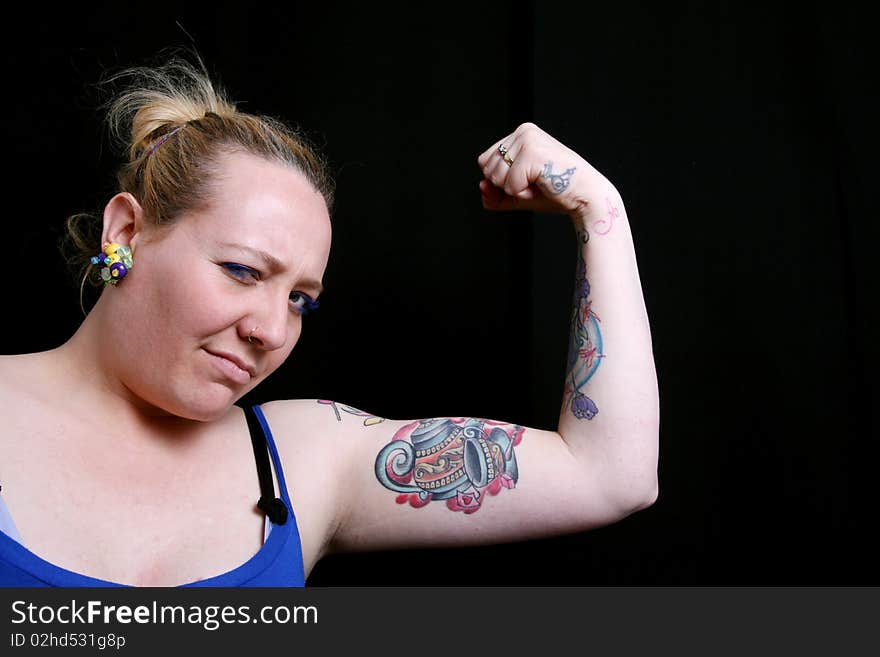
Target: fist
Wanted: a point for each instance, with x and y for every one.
(529, 170)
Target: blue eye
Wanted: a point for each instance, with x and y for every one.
(240, 272)
(303, 303)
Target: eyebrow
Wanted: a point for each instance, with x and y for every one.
(273, 263)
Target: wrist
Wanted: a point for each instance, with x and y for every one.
(599, 204)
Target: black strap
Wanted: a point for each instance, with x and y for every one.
(268, 503)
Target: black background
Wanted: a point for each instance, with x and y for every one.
(741, 141)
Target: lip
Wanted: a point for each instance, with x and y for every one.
(234, 367)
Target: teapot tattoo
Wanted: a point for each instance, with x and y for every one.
(458, 460)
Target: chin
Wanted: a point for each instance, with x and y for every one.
(210, 406)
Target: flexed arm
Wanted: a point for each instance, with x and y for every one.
(392, 483)
(610, 406)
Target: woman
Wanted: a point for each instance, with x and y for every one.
(134, 467)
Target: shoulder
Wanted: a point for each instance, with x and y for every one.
(322, 445)
(328, 435)
(31, 376)
(26, 385)
(313, 426)
(309, 416)
(17, 365)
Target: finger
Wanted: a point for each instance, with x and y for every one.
(495, 195)
(512, 171)
(498, 167)
(528, 193)
(496, 172)
(519, 174)
(490, 194)
(484, 157)
(487, 154)
(495, 199)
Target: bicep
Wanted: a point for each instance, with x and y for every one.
(461, 481)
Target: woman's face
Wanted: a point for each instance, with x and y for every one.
(200, 288)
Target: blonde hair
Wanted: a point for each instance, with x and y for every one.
(171, 124)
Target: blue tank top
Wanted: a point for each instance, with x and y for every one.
(277, 563)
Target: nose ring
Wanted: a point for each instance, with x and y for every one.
(251, 335)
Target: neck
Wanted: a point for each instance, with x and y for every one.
(85, 367)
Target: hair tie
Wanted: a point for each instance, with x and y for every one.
(163, 140)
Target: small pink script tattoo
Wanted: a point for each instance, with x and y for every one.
(603, 226)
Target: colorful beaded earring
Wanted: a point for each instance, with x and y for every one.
(117, 262)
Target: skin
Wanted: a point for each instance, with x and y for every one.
(136, 439)
(138, 442)
(160, 369)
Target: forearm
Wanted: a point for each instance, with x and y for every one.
(610, 410)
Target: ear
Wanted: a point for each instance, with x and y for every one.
(123, 221)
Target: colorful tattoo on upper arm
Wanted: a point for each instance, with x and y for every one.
(454, 459)
(370, 418)
(585, 352)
